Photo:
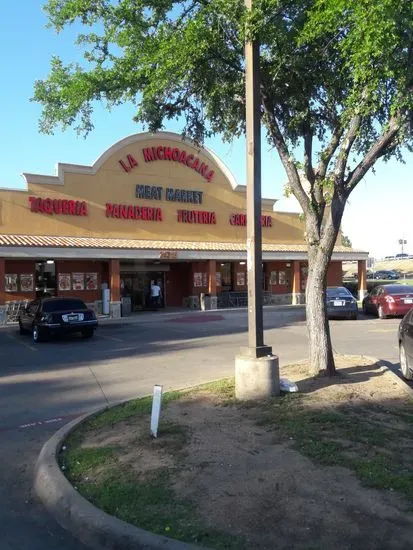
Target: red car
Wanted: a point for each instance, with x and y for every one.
(386, 300)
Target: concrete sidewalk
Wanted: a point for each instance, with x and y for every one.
(171, 313)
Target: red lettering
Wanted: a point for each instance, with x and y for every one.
(182, 157)
(150, 213)
(213, 218)
(109, 209)
(205, 217)
(158, 215)
(202, 170)
(57, 206)
(210, 175)
(179, 216)
(123, 211)
(83, 209)
(175, 154)
(32, 202)
(144, 213)
(72, 208)
(48, 206)
(155, 154)
(189, 160)
(168, 153)
(132, 161)
(185, 216)
(124, 166)
(115, 211)
(131, 212)
(137, 213)
(148, 154)
(160, 153)
(65, 207)
(195, 166)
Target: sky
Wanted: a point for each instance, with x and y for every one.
(379, 211)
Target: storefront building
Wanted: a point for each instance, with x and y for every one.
(153, 207)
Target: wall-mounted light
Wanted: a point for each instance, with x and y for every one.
(222, 264)
(50, 262)
(288, 265)
(242, 263)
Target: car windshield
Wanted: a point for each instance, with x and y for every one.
(398, 289)
(338, 292)
(66, 304)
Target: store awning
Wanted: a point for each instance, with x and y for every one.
(39, 246)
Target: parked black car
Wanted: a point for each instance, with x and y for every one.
(387, 275)
(48, 316)
(406, 345)
(341, 303)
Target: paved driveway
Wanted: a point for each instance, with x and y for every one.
(42, 386)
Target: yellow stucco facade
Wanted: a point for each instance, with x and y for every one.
(113, 180)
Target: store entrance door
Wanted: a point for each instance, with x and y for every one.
(137, 287)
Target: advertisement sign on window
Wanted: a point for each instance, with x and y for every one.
(273, 278)
(26, 282)
(78, 281)
(64, 281)
(10, 282)
(241, 278)
(197, 279)
(218, 278)
(91, 281)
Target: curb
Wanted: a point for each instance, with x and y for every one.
(77, 515)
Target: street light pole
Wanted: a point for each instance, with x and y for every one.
(256, 368)
(254, 230)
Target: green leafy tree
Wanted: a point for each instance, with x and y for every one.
(336, 92)
(345, 241)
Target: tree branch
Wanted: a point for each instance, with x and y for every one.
(308, 155)
(284, 154)
(345, 148)
(384, 142)
(327, 155)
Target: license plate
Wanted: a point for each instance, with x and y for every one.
(408, 301)
(338, 303)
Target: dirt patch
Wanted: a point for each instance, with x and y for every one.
(289, 473)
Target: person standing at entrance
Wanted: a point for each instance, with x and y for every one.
(155, 294)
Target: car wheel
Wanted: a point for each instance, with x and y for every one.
(404, 364)
(88, 333)
(36, 334)
(381, 313)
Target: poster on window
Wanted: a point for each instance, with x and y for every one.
(205, 280)
(197, 280)
(10, 282)
(282, 278)
(92, 281)
(26, 282)
(78, 281)
(218, 278)
(273, 278)
(241, 278)
(64, 281)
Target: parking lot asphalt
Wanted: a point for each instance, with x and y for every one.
(44, 385)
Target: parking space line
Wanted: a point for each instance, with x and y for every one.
(22, 342)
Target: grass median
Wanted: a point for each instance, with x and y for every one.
(304, 470)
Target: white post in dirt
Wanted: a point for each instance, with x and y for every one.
(156, 410)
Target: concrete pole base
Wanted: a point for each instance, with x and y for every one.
(362, 294)
(256, 378)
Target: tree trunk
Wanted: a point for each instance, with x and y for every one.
(321, 351)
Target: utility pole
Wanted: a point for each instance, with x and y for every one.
(256, 368)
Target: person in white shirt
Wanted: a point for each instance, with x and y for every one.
(155, 294)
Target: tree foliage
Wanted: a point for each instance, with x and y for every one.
(336, 90)
(345, 241)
